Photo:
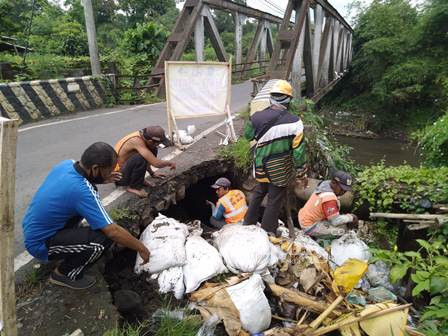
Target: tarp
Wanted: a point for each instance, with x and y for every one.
(197, 89)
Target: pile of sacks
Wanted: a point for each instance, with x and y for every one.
(299, 275)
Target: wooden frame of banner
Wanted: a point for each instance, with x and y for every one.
(172, 124)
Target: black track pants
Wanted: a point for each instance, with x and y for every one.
(78, 248)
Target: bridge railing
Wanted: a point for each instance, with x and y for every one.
(134, 88)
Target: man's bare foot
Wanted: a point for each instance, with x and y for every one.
(147, 183)
(140, 193)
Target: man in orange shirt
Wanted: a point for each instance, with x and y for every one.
(137, 152)
(320, 216)
(231, 206)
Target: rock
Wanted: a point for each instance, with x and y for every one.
(127, 300)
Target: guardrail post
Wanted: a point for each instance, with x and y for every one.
(8, 142)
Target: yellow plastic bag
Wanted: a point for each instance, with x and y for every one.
(348, 275)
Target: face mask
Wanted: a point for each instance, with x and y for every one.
(96, 179)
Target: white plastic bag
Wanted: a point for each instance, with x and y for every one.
(165, 238)
(253, 306)
(245, 248)
(202, 263)
(172, 280)
(349, 246)
(310, 245)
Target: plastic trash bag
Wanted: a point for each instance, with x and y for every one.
(380, 294)
(348, 246)
(165, 239)
(245, 248)
(203, 262)
(349, 274)
(378, 275)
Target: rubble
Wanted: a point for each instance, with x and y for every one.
(285, 286)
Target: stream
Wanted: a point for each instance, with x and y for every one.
(371, 151)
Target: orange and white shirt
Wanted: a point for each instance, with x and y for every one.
(320, 206)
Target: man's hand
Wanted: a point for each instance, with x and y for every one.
(354, 224)
(209, 203)
(114, 177)
(172, 165)
(144, 254)
(159, 175)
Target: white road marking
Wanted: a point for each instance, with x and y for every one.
(24, 258)
(65, 121)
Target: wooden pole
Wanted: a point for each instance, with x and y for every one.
(91, 38)
(8, 143)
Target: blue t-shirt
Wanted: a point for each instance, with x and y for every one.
(65, 194)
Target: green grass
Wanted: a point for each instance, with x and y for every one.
(170, 326)
(128, 330)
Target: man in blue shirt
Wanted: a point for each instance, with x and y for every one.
(68, 195)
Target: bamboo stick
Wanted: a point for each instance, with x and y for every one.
(408, 216)
(336, 326)
(296, 297)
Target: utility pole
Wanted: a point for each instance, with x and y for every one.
(91, 38)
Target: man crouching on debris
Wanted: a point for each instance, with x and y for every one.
(279, 155)
(320, 216)
(137, 152)
(231, 206)
(68, 194)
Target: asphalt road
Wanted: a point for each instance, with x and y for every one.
(42, 145)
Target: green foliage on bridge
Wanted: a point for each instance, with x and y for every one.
(400, 65)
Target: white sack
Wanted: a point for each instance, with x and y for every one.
(349, 246)
(245, 248)
(202, 263)
(253, 306)
(172, 280)
(165, 239)
(310, 245)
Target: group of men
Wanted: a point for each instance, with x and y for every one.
(69, 194)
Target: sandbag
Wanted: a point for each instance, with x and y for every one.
(203, 262)
(165, 239)
(253, 306)
(172, 280)
(348, 246)
(245, 248)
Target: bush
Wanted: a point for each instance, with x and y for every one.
(403, 188)
(433, 142)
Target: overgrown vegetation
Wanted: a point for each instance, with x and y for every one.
(401, 189)
(399, 72)
(426, 270)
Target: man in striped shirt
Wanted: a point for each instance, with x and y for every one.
(279, 154)
(68, 195)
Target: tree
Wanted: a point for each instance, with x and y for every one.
(137, 11)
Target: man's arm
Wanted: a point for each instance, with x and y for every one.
(151, 158)
(298, 147)
(331, 211)
(218, 212)
(121, 236)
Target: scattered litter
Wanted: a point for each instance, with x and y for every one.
(381, 294)
(184, 137)
(165, 238)
(356, 298)
(209, 326)
(245, 248)
(378, 275)
(348, 246)
(202, 263)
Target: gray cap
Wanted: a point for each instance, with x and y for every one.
(344, 179)
(221, 182)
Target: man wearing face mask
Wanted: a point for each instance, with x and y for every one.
(66, 197)
(137, 152)
(279, 155)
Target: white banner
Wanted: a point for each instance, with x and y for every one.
(197, 89)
